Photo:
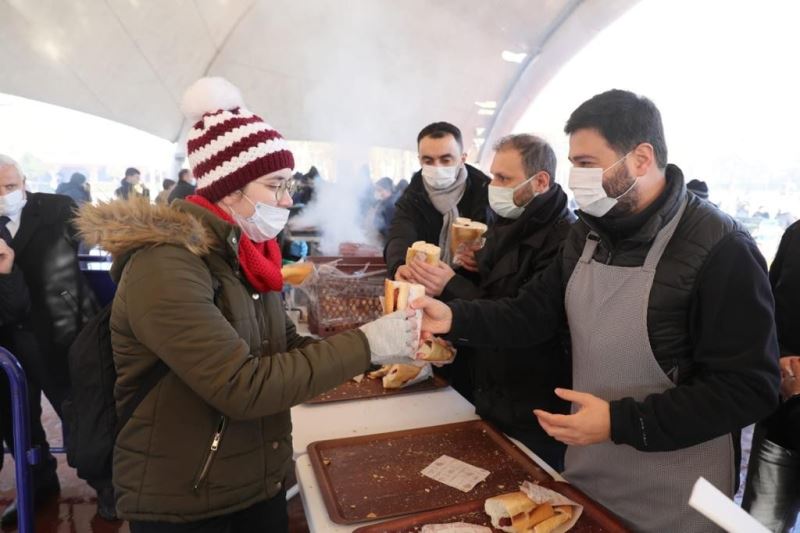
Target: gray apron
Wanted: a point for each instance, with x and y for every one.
(612, 359)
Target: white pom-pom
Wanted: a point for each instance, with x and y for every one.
(208, 95)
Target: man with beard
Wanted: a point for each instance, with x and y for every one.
(671, 323)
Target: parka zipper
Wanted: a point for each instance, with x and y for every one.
(212, 452)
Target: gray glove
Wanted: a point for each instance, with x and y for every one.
(393, 338)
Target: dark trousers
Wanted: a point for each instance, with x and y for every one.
(46, 373)
(44, 473)
(772, 489)
(267, 516)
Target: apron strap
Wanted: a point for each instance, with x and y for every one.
(663, 238)
(592, 239)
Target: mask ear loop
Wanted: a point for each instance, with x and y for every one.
(615, 163)
(234, 214)
(519, 187)
(629, 189)
(635, 180)
(248, 199)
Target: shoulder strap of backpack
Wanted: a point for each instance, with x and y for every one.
(152, 377)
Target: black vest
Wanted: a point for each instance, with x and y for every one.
(669, 312)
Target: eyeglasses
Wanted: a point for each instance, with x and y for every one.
(286, 187)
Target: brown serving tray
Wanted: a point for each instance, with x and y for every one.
(371, 477)
(595, 518)
(373, 388)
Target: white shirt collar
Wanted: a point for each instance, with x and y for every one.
(13, 224)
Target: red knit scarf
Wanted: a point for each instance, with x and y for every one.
(260, 261)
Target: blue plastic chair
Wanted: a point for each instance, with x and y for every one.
(25, 456)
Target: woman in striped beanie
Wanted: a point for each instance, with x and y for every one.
(198, 306)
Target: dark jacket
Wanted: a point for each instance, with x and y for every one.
(772, 492)
(15, 297)
(709, 317)
(181, 191)
(237, 365)
(61, 301)
(126, 191)
(509, 384)
(416, 219)
(784, 274)
(784, 425)
(75, 191)
(384, 214)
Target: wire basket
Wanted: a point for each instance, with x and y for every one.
(343, 293)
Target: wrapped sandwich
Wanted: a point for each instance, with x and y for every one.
(466, 233)
(532, 509)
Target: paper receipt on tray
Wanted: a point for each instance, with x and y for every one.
(455, 473)
(457, 527)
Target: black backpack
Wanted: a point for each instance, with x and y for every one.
(90, 415)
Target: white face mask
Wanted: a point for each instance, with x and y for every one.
(193, 182)
(439, 177)
(12, 203)
(265, 223)
(587, 185)
(501, 200)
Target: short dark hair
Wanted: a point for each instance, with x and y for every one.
(130, 171)
(437, 130)
(182, 173)
(536, 153)
(167, 183)
(385, 183)
(624, 119)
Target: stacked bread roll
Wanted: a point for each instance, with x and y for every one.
(516, 513)
(430, 253)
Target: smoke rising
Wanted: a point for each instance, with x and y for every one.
(339, 207)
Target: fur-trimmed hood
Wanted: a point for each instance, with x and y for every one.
(123, 226)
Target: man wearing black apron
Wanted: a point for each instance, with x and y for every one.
(671, 319)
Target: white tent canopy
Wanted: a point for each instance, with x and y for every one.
(366, 72)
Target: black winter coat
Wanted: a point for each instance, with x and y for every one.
(416, 219)
(509, 383)
(181, 191)
(784, 275)
(710, 319)
(15, 297)
(74, 191)
(61, 301)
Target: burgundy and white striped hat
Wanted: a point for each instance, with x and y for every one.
(228, 146)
